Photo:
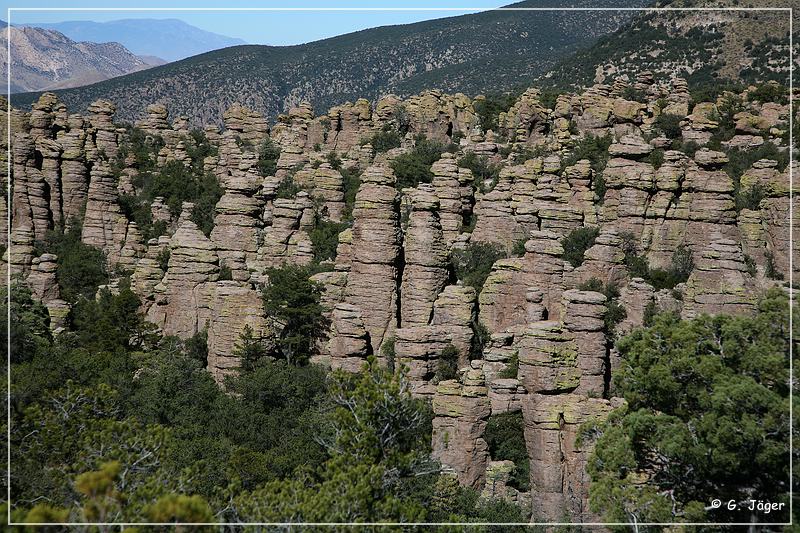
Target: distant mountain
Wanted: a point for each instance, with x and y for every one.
(43, 59)
(483, 52)
(170, 39)
(702, 46)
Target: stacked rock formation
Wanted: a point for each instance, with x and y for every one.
(425, 271)
(462, 409)
(373, 278)
(531, 341)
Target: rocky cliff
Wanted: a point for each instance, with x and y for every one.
(656, 203)
(486, 51)
(44, 59)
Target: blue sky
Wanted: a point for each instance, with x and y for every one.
(277, 28)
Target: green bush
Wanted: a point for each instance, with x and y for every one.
(469, 227)
(138, 210)
(384, 140)
(163, 258)
(205, 198)
(447, 365)
(593, 148)
(770, 92)
(520, 155)
(388, 353)
(480, 338)
(615, 312)
(268, 154)
(679, 270)
(770, 269)
(740, 161)
(727, 108)
(682, 263)
(199, 148)
(656, 158)
(111, 322)
(518, 249)
(634, 95)
(511, 370)
(689, 148)
(669, 125)
(710, 92)
(577, 242)
(249, 349)
(549, 98)
(650, 312)
(489, 108)
(599, 185)
(414, 167)
(334, 160)
(225, 272)
(176, 183)
(352, 181)
(287, 188)
(30, 324)
(505, 435)
(473, 263)
(292, 306)
(80, 268)
(143, 146)
(402, 120)
(482, 170)
(593, 284)
(750, 263)
(325, 239)
(196, 347)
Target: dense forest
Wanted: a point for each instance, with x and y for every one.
(113, 423)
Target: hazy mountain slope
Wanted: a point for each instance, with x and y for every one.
(487, 51)
(171, 39)
(43, 59)
(702, 46)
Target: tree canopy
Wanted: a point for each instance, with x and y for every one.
(706, 418)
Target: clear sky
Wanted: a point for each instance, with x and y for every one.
(276, 28)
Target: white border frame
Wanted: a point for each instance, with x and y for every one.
(466, 11)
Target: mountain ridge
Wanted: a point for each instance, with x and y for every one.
(44, 59)
(452, 54)
(731, 47)
(171, 39)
